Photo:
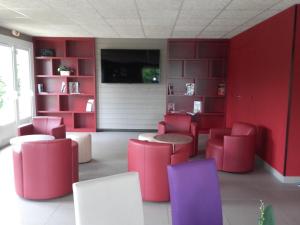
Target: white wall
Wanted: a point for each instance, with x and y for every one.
(131, 106)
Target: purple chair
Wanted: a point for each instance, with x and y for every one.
(195, 193)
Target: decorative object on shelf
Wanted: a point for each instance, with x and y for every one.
(74, 87)
(171, 106)
(63, 87)
(40, 88)
(198, 107)
(221, 89)
(170, 89)
(47, 52)
(190, 89)
(90, 105)
(64, 70)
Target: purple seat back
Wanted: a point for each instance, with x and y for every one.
(195, 193)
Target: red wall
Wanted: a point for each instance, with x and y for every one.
(293, 152)
(258, 82)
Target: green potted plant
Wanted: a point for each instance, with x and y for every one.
(266, 215)
(64, 70)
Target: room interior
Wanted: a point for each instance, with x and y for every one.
(221, 64)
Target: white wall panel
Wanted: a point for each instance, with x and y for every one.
(131, 106)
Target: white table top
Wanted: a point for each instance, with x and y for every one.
(173, 138)
(28, 138)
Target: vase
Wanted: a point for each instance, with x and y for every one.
(65, 73)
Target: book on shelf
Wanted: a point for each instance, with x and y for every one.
(171, 107)
(90, 105)
(74, 87)
(198, 108)
(63, 88)
(170, 89)
(190, 89)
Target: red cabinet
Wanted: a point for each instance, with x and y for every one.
(66, 96)
(202, 62)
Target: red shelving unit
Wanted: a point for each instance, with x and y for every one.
(202, 62)
(78, 54)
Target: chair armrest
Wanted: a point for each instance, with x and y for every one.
(59, 132)
(161, 127)
(219, 132)
(25, 129)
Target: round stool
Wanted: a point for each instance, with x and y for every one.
(84, 145)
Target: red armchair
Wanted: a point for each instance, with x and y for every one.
(233, 149)
(44, 125)
(150, 160)
(45, 169)
(180, 123)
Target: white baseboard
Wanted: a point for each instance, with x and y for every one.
(276, 174)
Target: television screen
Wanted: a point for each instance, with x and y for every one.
(130, 66)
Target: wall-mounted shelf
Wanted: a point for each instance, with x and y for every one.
(79, 55)
(202, 62)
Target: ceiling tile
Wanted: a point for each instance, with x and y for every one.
(211, 34)
(285, 4)
(195, 29)
(228, 22)
(192, 22)
(219, 28)
(158, 4)
(157, 14)
(251, 4)
(198, 14)
(184, 34)
(205, 4)
(238, 14)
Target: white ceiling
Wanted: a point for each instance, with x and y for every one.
(137, 18)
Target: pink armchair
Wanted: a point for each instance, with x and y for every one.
(45, 169)
(233, 149)
(150, 160)
(180, 123)
(44, 125)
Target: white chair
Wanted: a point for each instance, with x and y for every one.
(113, 200)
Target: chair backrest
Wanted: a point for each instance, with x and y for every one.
(112, 200)
(178, 123)
(44, 124)
(150, 160)
(46, 168)
(195, 193)
(240, 128)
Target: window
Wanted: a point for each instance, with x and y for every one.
(16, 94)
(23, 84)
(7, 114)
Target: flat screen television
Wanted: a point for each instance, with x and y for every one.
(130, 66)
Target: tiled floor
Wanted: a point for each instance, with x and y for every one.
(240, 192)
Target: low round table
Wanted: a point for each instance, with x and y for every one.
(174, 139)
(147, 136)
(17, 141)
